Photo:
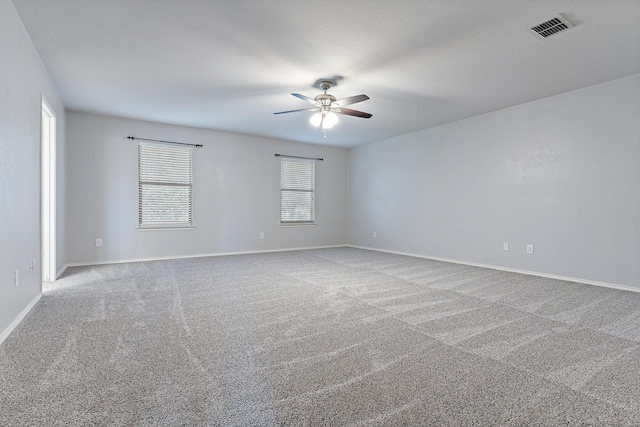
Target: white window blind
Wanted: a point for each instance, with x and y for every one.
(297, 182)
(164, 177)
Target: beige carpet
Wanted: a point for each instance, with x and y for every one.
(331, 337)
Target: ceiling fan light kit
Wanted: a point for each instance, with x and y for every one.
(326, 106)
(324, 119)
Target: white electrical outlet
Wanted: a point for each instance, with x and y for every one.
(375, 234)
(505, 247)
(530, 249)
(262, 235)
(98, 242)
(16, 278)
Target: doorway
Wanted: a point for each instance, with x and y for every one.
(48, 192)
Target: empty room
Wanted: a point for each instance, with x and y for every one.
(328, 213)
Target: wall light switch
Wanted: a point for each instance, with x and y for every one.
(375, 234)
(262, 235)
(505, 247)
(98, 242)
(530, 249)
(16, 278)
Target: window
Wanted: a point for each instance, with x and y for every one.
(297, 183)
(164, 186)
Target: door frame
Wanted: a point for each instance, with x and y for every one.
(48, 192)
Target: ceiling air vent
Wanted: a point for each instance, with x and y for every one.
(552, 26)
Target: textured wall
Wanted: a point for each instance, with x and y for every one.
(236, 193)
(561, 173)
(23, 81)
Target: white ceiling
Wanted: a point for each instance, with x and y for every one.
(228, 65)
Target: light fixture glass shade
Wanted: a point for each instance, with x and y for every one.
(316, 119)
(330, 119)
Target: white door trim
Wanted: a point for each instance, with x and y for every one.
(48, 191)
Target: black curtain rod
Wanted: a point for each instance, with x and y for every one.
(160, 140)
(298, 157)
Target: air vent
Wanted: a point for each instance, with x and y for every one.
(552, 26)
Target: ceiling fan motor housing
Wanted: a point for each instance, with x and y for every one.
(325, 99)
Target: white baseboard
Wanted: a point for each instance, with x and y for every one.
(83, 264)
(19, 319)
(511, 270)
(493, 267)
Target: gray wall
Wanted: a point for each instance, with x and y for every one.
(561, 173)
(23, 81)
(236, 193)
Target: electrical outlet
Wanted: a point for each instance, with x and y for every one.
(262, 235)
(375, 234)
(16, 278)
(98, 242)
(530, 249)
(505, 247)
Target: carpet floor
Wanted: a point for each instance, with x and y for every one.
(327, 337)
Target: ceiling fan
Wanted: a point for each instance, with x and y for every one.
(327, 105)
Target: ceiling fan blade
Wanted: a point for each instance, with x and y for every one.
(306, 98)
(295, 111)
(350, 112)
(350, 100)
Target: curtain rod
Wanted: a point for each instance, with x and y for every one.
(160, 140)
(298, 157)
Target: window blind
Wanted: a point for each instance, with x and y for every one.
(165, 190)
(297, 179)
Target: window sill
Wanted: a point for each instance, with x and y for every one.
(174, 228)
